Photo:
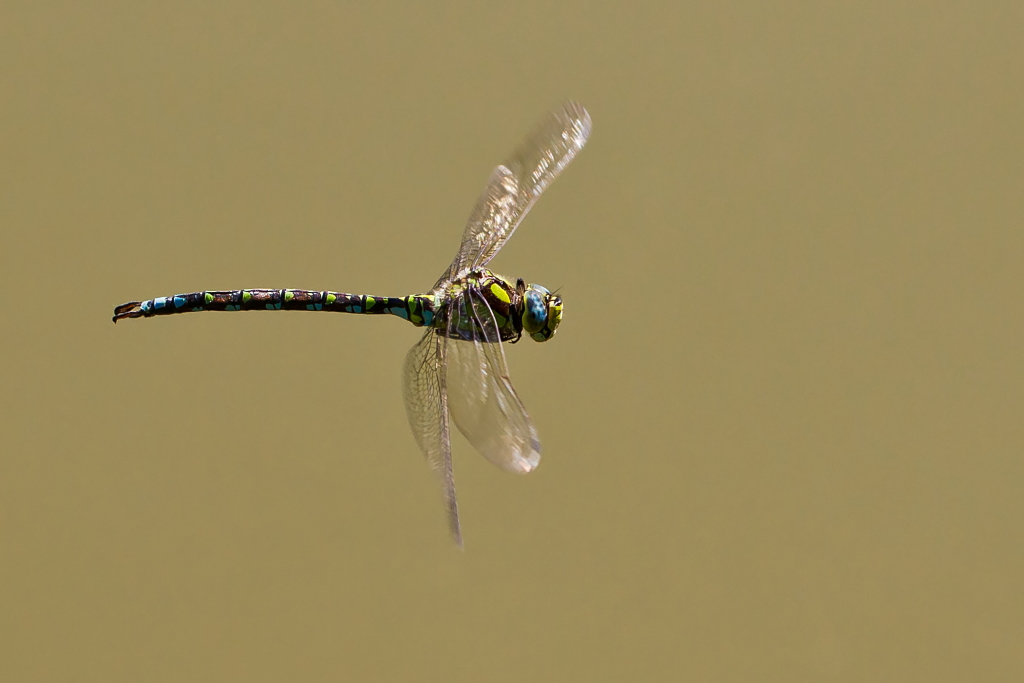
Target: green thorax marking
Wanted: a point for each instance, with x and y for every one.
(494, 302)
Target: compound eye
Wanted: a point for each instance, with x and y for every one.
(535, 315)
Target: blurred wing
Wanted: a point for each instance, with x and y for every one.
(426, 405)
(483, 402)
(492, 215)
(517, 183)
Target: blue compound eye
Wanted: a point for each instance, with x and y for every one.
(542, 312)
(535, 315)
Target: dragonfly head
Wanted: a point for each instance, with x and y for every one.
(542, 311)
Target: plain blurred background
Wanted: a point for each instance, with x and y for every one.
(781, 419)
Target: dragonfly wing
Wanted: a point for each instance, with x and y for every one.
(484, 404)
(518, 182)
(492, 214)
(538, 160)
(426, 404)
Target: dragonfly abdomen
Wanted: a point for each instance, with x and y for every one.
(418, 309)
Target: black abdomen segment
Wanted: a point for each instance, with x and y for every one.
(417, 309)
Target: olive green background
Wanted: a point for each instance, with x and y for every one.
(782, 420)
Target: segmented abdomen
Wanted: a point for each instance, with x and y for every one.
(418, 309)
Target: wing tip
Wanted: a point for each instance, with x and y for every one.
(578, 113)
(456, 531)
(528, 462)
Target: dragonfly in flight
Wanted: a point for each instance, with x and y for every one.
(458, 369)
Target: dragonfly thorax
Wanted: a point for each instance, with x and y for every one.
(484, 306)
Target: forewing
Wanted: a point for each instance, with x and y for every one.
(492, 214)
(426, 405)
(483, 402)
(518, 182)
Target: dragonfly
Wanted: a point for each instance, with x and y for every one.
(458, 370)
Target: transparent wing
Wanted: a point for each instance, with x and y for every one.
(492, 215)
(426, 405)
(483, 402)
(517, 183)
